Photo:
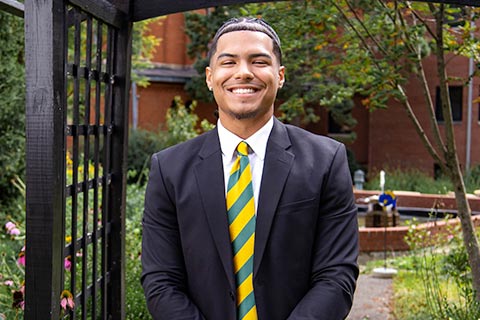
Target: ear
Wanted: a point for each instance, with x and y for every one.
(281, 76)
(208, 77)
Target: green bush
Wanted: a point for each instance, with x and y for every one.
(135, 305)
(410, 180)
(416, 180)
(182, 124)
(12, 102)
(440, 285)
(472, 179)
(141, 145)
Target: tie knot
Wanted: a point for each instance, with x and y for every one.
(242, 148)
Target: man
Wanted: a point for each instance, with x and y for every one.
(298, 233)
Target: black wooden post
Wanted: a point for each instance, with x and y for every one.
(45, 101)
(117, 197)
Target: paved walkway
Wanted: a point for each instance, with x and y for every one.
(372, 299)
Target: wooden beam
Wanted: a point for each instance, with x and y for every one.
(103, 10)
(144, 9)
(13, 7)
(471, 3)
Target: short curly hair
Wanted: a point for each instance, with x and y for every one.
(247, 24)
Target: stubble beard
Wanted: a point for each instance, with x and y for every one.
(244, 115)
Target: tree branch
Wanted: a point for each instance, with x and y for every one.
(444, 92)
(426, 91)
(359, 35)
(421, 133)
(352, 9)
(429, 30)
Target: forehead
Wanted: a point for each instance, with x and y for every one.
(237, 42)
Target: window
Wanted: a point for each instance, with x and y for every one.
(456, 101)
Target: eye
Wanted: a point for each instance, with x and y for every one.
(260, 62)
(227, 62)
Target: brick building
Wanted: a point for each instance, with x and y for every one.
(385, 138)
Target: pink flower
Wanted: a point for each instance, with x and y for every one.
(10, 225)
(14, 231)
(21, 258)
(8, 283)
(67, 263)
(12, 228)
(66, 300)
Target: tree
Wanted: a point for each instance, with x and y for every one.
(386, 33)
(339, 49)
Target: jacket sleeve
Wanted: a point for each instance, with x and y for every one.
(164, 277)
(334, 266)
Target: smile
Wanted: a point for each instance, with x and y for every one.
(243, 90)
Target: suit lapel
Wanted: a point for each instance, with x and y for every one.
(211, 186)
(278, 162)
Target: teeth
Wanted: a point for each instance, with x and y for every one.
(243, 91)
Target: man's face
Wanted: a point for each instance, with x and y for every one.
(245, 77)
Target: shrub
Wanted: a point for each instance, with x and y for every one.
(472, 179)
(12, 102)
(410, 180)
(141, 145)
(443, 270)
(136, 308)
(182, 124)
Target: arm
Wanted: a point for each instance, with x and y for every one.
(164, 277)
(334, 263)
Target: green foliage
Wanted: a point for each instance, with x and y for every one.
(135, 305)
(416, 180)
(182, 124)
(443, 269)
(141, 145)
(12, 102)
(410, 180)
(12, 273)
(472, 179)
(143, 48)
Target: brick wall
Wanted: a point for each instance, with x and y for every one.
(373, 239)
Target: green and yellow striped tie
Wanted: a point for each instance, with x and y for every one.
(241, 219)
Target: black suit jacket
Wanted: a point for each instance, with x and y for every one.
(306, 239)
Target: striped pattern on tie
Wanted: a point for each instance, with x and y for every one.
(241, 219)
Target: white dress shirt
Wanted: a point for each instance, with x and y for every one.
(258, 145)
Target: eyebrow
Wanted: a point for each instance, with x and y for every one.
(251, 56)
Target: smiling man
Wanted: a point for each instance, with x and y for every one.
(254, 219)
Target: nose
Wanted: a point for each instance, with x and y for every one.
(243, 71)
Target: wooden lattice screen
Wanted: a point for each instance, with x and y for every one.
(78, 61)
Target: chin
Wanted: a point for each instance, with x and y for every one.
(245, 115)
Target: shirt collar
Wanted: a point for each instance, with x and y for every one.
(257, 141)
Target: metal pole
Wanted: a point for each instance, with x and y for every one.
(134, 105)
(469, 109)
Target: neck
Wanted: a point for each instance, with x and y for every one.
(244, 128)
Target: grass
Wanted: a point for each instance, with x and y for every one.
(428, 285)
